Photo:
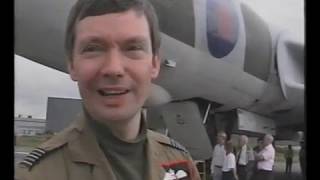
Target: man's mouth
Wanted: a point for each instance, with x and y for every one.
(112, 92)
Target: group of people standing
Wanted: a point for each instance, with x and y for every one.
(244, 163)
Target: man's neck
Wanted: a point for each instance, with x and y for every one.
(127, 131)
(124, 130)
(266, 146)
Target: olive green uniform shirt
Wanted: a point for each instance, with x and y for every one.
(128, 158)
(288, 154)
(74, 154)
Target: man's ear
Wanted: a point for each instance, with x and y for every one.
(71, 70)
(155, 66)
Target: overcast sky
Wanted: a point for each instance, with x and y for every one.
(284, 14)
(34, 83)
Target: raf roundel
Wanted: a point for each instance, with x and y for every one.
(222, 27)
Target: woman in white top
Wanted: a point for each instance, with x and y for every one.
(229, 164)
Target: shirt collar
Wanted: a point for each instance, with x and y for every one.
(84, 147)
(267, 147)
(102, 131)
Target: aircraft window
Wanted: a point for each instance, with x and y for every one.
(176, 19)
(222, 27)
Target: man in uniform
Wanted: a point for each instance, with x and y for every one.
(288, 155)
(112, 48)
(302, 159)
(218, 156)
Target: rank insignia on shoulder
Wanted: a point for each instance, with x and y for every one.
(33, 157)
(174, 144)
(177, 145)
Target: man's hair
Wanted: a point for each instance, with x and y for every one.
(85, 8)
(222, 133)
(229, 146)
(269, 138)
(244, 138)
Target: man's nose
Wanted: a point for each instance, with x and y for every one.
(113, 65)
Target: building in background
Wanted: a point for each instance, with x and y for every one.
(28, 126)
(60, 112)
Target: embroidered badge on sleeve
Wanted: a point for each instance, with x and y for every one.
(177, 170)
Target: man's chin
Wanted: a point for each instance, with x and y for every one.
(116, 117)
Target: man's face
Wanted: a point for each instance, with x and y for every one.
(266, 141)
(113, 64)
(242, 141)
(221, 138)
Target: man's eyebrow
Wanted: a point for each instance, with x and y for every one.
(94, 39)
(137, 39)
(91, 39)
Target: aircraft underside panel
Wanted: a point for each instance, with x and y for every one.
(39, 31)
(248, 121)
(176, 19)
(183, 122)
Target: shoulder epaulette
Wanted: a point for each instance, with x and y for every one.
(43, 150)
(173, 143)
(52, 144)
(33, 158)
(164, 140)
